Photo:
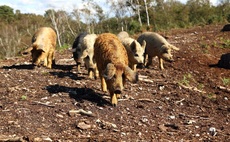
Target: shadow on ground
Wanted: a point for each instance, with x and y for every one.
(79, 94)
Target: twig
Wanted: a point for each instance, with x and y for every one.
(65, 60)
(224, 88)
(180, 101)
(144, 78)
(45, 104)
(194, 116)
(81, 111)
(192, 88)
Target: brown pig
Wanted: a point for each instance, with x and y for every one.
(112, 63)
(156, 45)
(43, 47)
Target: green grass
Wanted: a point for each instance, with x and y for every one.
(186, 79)
(226, 81)
(63, 47)
(23, 97)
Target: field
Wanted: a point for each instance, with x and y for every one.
(188, 101)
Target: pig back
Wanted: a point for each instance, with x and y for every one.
(154, 42)
(109, 49)
(45, 39)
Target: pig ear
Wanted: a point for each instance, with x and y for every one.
(164, 49)
(109, 71)
(173, 47)
(143, 44)
(39, 47)
(130, 74)
(26, 52)
(133, 46)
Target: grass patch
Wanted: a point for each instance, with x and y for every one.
(63, 47)
(211, 96)
(186, 79)
(225, 43)
(23, 97)
(226, 81)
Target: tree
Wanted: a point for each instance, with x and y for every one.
(224, 8)
(120, 10)
(77, 16)
(147, 13)
(6, 13)
(55, 22)
(199, 11)
(135, 5)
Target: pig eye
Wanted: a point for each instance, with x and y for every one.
(115, 76)
(136, 55)
(165, 51)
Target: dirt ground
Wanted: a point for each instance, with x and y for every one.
(188, 101)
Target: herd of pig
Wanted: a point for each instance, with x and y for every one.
(113, 58)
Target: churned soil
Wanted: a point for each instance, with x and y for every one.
(187, 101)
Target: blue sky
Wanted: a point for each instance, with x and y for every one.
(40, 6)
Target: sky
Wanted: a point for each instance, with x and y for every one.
(40, 6)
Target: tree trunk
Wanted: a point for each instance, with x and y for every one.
(147, 13)
(138, 13)
(52, 17)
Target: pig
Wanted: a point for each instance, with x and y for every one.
(43, 47)
(225, 28)
(88, 47)
(224, 61)
(83, 50)
(112, 63)
(77, 49)
(123, 34)
(135, 52)
(156, 45)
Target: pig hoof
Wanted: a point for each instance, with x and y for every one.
(114, 105)
(114, 100)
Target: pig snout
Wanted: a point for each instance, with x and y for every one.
(78, 61)
(169, 60)
(117, 90)
(168, 57)
(140, 65)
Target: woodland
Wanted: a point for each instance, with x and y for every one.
(188, 101)
(133, 16)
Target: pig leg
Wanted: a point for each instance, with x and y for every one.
(53, 59)
(135, 67)
(78, 67)
(150, 61)
(113, 97)
(145, 59)
(45, 62)
(90, 73)
(161, 63)
(95, 71)
(103, 84)
(49, 60)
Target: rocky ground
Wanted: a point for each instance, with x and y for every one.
(188, 101)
